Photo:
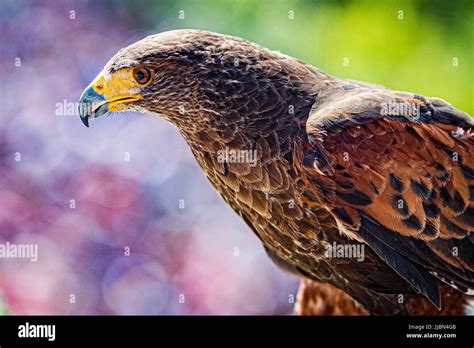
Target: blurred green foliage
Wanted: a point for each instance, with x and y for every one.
(422, 46)
(3, 307)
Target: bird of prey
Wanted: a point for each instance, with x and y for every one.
(362, 191)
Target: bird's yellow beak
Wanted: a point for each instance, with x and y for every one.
(108, 93)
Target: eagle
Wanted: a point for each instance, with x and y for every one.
(365, 193)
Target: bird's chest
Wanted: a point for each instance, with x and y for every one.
(268, 197)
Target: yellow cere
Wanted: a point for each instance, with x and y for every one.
(117, 88)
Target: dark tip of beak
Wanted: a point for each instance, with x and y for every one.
(91, 104)
(85, 120)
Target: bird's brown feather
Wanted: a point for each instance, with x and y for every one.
(411, 177)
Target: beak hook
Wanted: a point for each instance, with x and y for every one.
(85, 120)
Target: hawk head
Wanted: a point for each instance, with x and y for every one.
(181, 75)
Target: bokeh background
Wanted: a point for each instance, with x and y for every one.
(87, 195)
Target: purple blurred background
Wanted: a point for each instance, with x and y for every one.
(85, 196)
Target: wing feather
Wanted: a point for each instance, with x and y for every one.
(404, 185)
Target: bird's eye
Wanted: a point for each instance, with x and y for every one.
(142, 75)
